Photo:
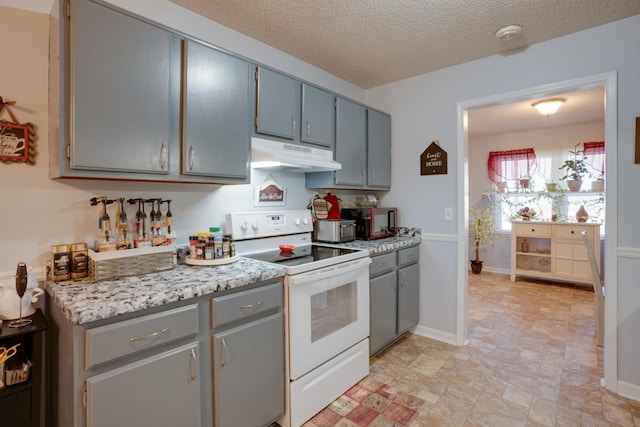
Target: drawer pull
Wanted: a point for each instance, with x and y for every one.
(572, 232)
(248, 306)
(223, 353)
(194, 364)
(150, 336)
(533, 230)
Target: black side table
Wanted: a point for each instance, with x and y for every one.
(23, 404)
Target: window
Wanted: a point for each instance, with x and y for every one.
(510, 166)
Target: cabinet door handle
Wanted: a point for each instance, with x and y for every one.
(194, 364)
(293, 125)
(248, 306)
(373, 176)
(223, 352)
(364, 175)
(163, 156)
(192, 157)
(149, 336)
(308, 128)
(403, 279)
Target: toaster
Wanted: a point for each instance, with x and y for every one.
(335, 230)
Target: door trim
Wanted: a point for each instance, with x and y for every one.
(609, 81)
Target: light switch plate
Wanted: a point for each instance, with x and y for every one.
(448, 214)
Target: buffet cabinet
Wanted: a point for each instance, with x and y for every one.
(553, 250)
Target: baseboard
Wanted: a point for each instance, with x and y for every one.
(631, 391)
(497, 270)
(435, 334)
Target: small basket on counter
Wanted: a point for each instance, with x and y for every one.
(130, 262)
(16, 375)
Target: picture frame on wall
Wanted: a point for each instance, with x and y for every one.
(17, 142)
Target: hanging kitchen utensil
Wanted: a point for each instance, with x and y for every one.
(320, 208)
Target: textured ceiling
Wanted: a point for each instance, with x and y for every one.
(373, 42)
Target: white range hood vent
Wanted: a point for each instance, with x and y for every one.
(268, 154)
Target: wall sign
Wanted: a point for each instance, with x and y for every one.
(270, 193)
(433, 160)
(17, 141)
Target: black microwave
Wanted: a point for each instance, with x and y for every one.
(373, 223)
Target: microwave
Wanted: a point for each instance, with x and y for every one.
(373, 223)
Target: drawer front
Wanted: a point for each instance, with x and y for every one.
(573, 231)
(408, 255)
(381, 263)
(242, 305)
(130, 336)
(533, 230)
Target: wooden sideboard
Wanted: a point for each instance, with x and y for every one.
(553, 250)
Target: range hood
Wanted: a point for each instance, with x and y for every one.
(268, 154)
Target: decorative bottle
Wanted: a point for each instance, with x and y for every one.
(525, 245)
(582, 215)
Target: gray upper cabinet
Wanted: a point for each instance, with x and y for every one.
(363, 147)
(121, 100)
(351, 143)
(216, 113)
(378, 149)
(278, 105)
(318, 124)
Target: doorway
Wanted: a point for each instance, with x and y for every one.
(609, 82)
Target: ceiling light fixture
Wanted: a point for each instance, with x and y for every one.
(509, 32)
(548, 106)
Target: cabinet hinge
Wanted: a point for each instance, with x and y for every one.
(255, 122)
(84, 397)
(68, 152)
(257, 73)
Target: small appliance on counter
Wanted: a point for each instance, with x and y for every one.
(334, 231)
(373, 223)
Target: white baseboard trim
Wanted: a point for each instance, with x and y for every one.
(630, 391)
(435, 334)
(497, 270)
(449, 238)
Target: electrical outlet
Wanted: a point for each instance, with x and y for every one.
(448, 214)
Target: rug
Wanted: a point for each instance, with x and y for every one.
(369, 403)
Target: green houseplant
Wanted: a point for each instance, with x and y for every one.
(481, 229)
(574, 168)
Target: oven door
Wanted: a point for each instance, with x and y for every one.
(328, 313)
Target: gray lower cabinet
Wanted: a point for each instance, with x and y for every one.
(216, 113)
(394, 296)
(278, 104)
(199, 362)
(248, 357)
(163, 389)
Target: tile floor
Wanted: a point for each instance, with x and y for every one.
(531, 361)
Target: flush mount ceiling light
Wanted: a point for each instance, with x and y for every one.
(509, 32)
(547, 107)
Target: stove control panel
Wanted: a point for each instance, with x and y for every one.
(257, 224)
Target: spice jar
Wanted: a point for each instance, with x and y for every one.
(61, 262)
(79, 260)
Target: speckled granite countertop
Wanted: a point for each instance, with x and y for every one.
(86, 301)
(406, 237)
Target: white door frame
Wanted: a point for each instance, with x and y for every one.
(610, 83)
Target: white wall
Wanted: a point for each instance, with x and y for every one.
(38, 212)
(424, 108)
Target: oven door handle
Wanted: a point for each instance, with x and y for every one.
(332, 271)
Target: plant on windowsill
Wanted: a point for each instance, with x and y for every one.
(552, 186)
(575, 168)
(481, 229)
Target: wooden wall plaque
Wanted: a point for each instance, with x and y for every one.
(433, 160)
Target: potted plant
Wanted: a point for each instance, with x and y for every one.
(574, 168)
(525, 182)
(481, 229)
(552, 186)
